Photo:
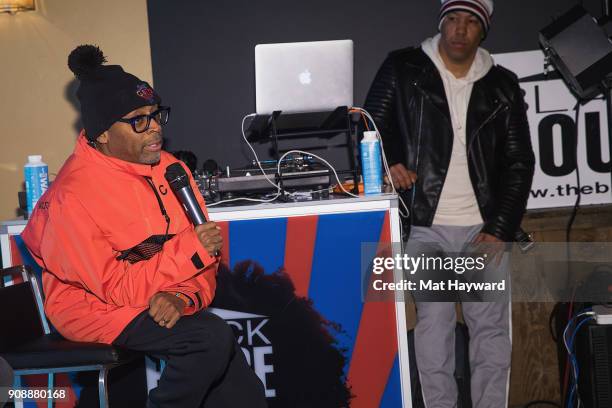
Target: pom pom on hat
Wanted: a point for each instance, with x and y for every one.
(85, 59)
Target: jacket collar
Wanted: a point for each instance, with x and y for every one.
(87, 152)
(483, 102)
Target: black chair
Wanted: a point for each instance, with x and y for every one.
(27, 344)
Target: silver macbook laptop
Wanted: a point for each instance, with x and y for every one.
(303, 76)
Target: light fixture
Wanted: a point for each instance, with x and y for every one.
(580, 50)
(13, 6)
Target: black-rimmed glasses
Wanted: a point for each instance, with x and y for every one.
(141, 123)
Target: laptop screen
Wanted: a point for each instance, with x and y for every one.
(304, 76)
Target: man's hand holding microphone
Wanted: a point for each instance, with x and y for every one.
(210, 237)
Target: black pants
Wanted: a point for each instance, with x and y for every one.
(205, 366)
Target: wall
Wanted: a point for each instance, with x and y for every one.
(38, 110)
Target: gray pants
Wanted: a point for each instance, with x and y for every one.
(489, 325)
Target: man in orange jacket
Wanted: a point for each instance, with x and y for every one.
(122, 263)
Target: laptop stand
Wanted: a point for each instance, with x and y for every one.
(279, 125)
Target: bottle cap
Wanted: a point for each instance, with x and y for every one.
(370, 136)
(35, 158)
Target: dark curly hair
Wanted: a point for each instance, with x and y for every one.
(308, 363)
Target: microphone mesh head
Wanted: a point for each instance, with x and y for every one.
(176, 176)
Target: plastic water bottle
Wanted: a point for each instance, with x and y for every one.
(371, 163)
(36, 180)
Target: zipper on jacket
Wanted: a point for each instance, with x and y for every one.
(164, 213)
(418, 152)
(424, 95)
(160, 203)
(482, 125)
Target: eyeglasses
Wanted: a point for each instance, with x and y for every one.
(141, 123)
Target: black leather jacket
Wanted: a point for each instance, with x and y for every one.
(408, 102)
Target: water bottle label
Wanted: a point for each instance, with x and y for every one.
(371, 167)
(37, 182)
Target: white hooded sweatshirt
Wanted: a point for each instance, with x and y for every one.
(458, 205)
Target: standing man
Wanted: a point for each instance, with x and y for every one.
(121, 262)
(457, 141)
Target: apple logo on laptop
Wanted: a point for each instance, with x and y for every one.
(305, 77)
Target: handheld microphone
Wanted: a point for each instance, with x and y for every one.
(178, 179)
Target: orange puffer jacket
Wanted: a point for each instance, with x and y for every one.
(98, 233)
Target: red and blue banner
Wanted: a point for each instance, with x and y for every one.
(321, 255)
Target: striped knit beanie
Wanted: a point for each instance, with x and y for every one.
(483, 9)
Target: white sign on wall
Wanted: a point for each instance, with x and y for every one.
(551, 116)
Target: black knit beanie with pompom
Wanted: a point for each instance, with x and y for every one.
(106, 92)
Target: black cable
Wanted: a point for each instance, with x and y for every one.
(542, 402)
(551, 318)
(570, 222)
